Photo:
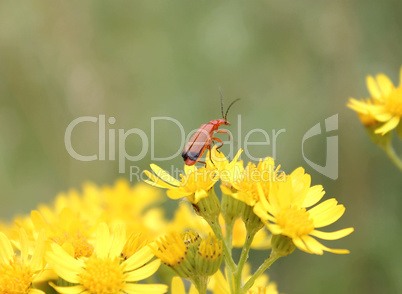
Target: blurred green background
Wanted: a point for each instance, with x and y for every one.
(293, 64)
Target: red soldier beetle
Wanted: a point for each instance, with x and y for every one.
(203, 138)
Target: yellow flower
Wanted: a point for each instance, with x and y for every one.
(135, 206)
(104, 272)
(385, 105)
(121, 202)
(171, 249)
(178, 287)
(194, 185)
(229, 171)
(89, 203)
(17, 273)
(133, 244)
(178, 252)
(185, 219)
(264, 174)
(284, 211)
(209, 256)
(68, 230)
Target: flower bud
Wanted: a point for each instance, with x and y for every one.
(282, 245)
(209, 256)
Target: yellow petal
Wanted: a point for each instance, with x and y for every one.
(225, 190)
(328, 216)
(317, 246)
(143, 272)
(155, 181)
(388, 126)
(314, 195)
(385, 84)
(373, 88)
(102, 246)
(283, 196)
(358, 106)
(119, 240)
(144, 288)
(68, 290)
(300, 244)
(36, 262)
(235, 159)
(313, 245)
(275, 229)
(199, 194)
(322, 207)
(67, 267)
(38, 221)
(264, 207)
(164, 176)
(383, 117)
(219, 284)
(35, 291)
(138, 259)
(24, 243)
(188, 169)
(6, 250)
(177, 194)
(193, 290)
(178, 286)
(260, 211)
(332, 235)
(378, 109)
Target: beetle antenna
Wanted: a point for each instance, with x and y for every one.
(220, 91)
(226, 114)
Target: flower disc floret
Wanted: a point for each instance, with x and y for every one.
(105, 272)
(102, 276)
(19, 272)
(171, 249)
(256, 177)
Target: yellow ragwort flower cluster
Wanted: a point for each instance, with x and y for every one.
(384, 107)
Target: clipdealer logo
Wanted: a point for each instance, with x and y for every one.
(107, 137)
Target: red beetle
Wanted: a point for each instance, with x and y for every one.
(204, 137)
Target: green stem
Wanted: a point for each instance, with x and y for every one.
(228, 240)
(263, 267)
(243, 258)
(227, 252)
(200, 283)
(229, 233)
(393, 156)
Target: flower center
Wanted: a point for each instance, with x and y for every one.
(171, 249)
(102, 276)
(393, 103)
(15, 278)
(210, 248)
(295, 222)
(82, 248)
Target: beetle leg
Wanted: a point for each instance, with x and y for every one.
(224, 132)
(203, 162)
(220, 141)
(210, 153)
